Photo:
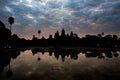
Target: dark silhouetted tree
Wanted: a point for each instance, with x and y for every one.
(11, 21)
(115, 37)
(50, 37)
(43, 37)
(102, 33)
(2, 24)
(75, 35)
(99, 35)
(34, 38)
(68, 36)
(39, 31)
(4, 32)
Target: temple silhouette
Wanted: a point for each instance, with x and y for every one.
(64, 39)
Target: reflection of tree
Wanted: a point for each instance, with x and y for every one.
(92, 53)
(9, 73)
(100, 56)
(36, 51)
(5, 59)
(38, 57)
(115, 54)
(108, 54)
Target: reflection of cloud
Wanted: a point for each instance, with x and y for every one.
(26, 67)
(28, 73)
(83, 15)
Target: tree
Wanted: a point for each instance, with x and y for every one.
(102, 33)
(43, 38)
(68, 36)
(115, 37)
(50, 37)
(75, 35)
(2, 24)
(4, 32)
(39, 31)
(99, 35)
(11, 21)
(34, 38)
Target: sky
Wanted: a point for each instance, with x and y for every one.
(80, 16)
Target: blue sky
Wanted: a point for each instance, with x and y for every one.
(80, 16)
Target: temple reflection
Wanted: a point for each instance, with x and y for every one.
(73, 54)
(7, 56)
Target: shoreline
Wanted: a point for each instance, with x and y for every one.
(56, 48)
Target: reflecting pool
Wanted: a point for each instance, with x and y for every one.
(35, 64)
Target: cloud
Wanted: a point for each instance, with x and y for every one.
(78, 15)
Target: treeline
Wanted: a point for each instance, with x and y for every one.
(58, 40)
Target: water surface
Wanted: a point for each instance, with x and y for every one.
(60, 65)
